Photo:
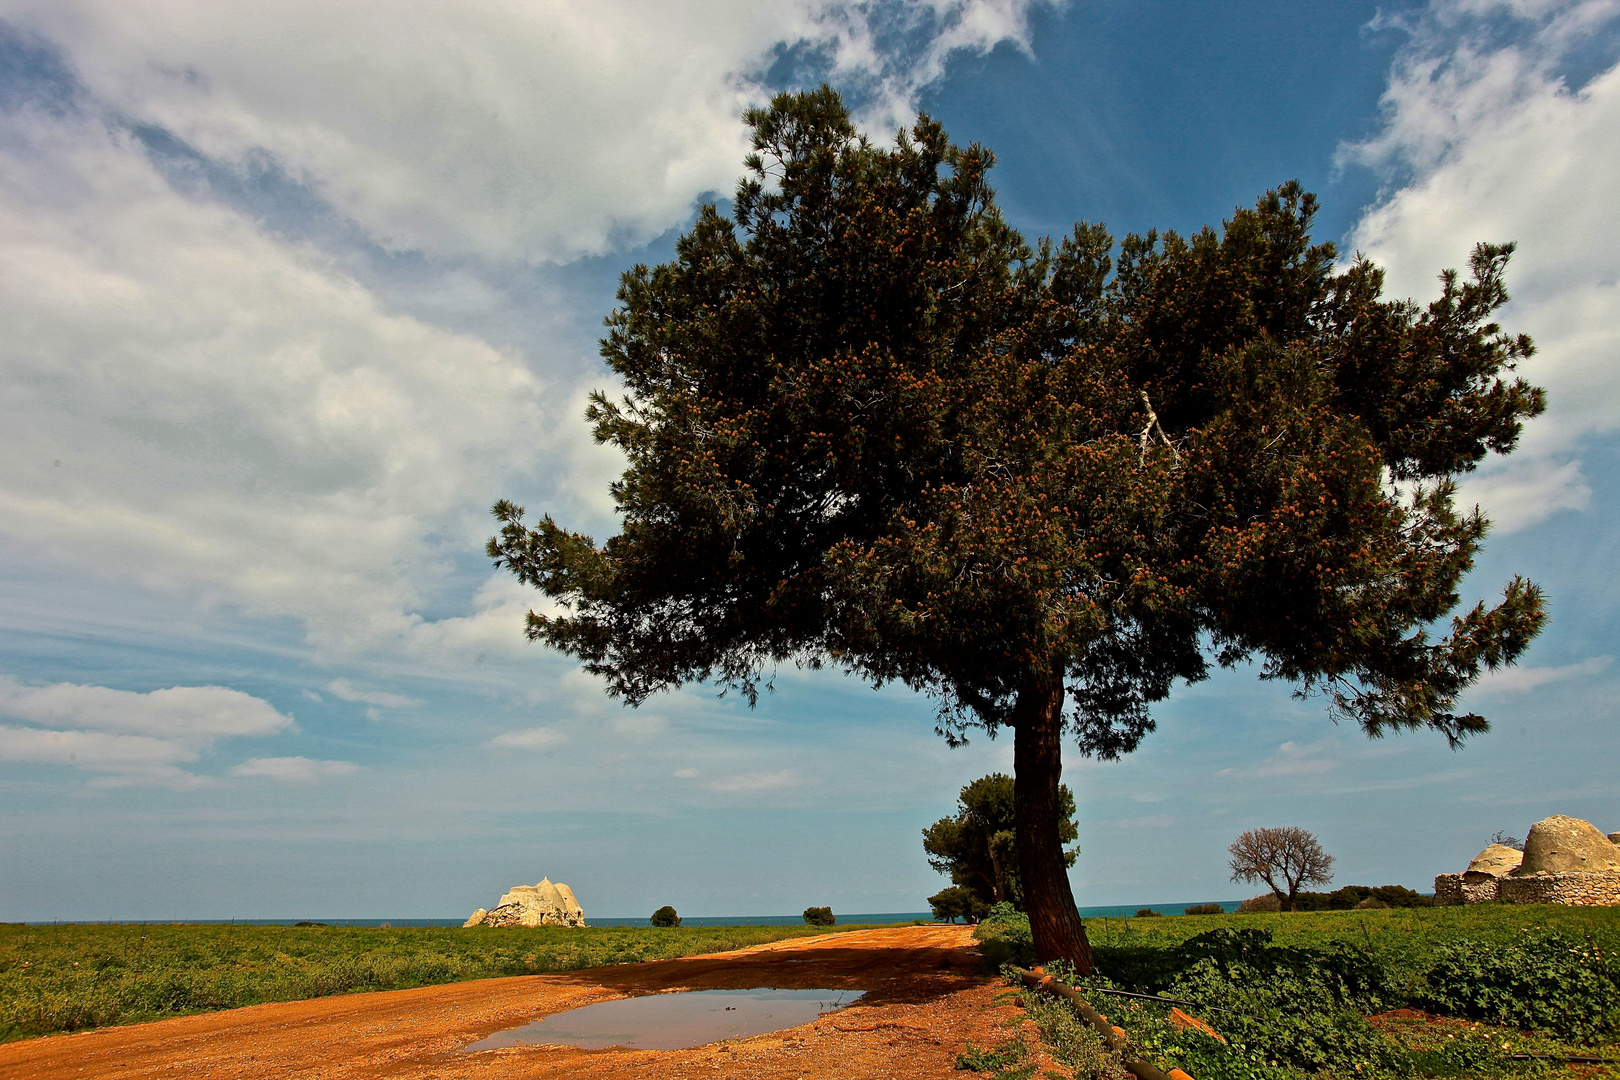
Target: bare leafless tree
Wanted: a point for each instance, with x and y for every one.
(1284, 858)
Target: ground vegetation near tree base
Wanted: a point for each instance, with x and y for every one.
(1488, 991)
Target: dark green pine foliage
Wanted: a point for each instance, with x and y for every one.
(867, 425)
(976, 845)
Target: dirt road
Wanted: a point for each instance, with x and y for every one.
(924, 998)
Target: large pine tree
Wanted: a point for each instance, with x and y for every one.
(868, 426)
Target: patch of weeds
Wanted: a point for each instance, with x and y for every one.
(1544, 981)
(1004, 1062)
(1072, 1041)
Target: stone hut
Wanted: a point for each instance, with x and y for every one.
(1565, 861)
(1480, 880)
(542, 904)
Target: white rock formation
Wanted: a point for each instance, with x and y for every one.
(1559, 844)
(541, 904)
(1496, 860)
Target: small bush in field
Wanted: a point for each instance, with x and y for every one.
(665, 916)
(1205, 909)
(819, 916)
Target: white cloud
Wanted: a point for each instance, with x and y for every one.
(137, 737)
(497, 127)
(639, 725)
(1517, 493)
(1149, 821)
(294, 770)
(1517, 680)
(189, 715)
(1291, 759)
(494, 627)
(1496, 146)
(234, 419)
(347, 691)
(199, 407)
(96, 750)
(533, 739)
(755, 782)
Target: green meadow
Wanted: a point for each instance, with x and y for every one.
(65, 978)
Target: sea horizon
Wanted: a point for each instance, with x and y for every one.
(1105, 911)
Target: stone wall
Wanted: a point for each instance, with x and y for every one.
(1456, 889)
(1571, 887)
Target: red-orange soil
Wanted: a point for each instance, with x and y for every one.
(925, 998)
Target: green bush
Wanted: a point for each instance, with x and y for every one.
(1205, 909)
(1147, 913)
(819, 916)
(665, 916)
(1545, 981)
(1361, 896)
(1004, 937)
(956, 902)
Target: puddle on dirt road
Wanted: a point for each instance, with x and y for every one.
(675, 1021)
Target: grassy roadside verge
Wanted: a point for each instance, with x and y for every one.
(66, 978)
(1487, 992)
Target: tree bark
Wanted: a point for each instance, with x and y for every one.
(1037, 771)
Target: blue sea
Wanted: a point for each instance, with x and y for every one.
(1116, 911)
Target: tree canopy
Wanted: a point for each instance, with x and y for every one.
(976, 846)
(1284, 857)
(866, 424)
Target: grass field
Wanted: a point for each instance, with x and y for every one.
(1401, 936)
(64, 978)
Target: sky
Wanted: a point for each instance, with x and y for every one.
(293, 292)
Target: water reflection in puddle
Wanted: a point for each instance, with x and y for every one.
(675, 1021)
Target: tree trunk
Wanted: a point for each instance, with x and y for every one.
(1037, 770)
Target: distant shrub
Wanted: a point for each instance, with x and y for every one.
(1263, 902)
(1147, 913)
(1357, 896)
(1401, 896)
(666, 916)
(1205, 909)
(819, 916)
(956, 902)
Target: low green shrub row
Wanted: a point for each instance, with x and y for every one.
(1293, 997)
